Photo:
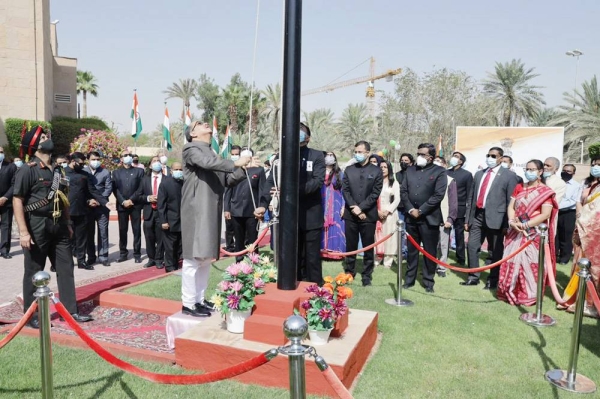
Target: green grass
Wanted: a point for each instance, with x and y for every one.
(457, 343)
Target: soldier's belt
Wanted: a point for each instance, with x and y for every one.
(37, 205)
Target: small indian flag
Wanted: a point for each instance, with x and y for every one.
(227, 144)
(136, 120)
(188, 122)
(167, 130)
(215, 136)
(440, 149)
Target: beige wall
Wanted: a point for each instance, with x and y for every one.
(65, 82)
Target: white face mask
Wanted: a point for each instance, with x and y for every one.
(504, 165)
(421, 161)
(437, 163)
(329, 160)
(454, 161)
(491, 162)
(235, 157)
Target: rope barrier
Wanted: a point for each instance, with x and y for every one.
(464, 269)
(229, 372)
(333, 380)
(358, 251)
(250, 247)
(16, 329)
(552, 283)
(592, 290)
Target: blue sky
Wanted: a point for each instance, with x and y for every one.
(148, 44)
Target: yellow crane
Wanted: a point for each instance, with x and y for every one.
(370, 92)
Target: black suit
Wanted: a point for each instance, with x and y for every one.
(423, 189)
(152, 227)
(7, 182)
(361, 186)
(126, 186)
(464, 184)
(240, 204)
(169, 211)
(81, 190)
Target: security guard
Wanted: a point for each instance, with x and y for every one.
(41, 209)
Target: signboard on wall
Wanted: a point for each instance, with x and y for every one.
(521, 143)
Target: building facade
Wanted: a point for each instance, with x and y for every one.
(35, 83)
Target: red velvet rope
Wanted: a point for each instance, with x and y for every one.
(358, 251)
(245, 251)
(336, 384)
(156, 377)
(16, 329)
(553, 287)
(592, 289)
(464, 269)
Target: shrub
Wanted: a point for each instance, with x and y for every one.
(13, 128)
(65, 130)
(594, 150)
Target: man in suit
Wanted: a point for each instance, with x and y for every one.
(152, 226)
(486, 214)
(361, 186)
(7, 181)
(464, 184)
(82, 196)
(422, 191)
(169, 214)
(127, 182)
(98, 216)
(240, 203)
(229, 231)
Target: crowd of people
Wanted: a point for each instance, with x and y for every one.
(60, 205)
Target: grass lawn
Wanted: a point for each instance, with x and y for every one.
(459, 342)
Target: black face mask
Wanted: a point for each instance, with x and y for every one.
(46, 147)
(566, 176)
(77, 167)
(403, 165)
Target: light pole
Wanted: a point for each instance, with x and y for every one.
(581, 141)
(575, 53)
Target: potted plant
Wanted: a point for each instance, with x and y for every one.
(326, 305)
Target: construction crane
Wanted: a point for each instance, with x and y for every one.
(370, 92)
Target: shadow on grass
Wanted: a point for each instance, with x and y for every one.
(109, 380)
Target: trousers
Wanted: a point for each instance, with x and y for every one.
(153, 233)
(135, 215)
(98, 217)
(194, 280)
(367, 236)
(6, 216)
(444, 247)
(173, 249)
(429, 236)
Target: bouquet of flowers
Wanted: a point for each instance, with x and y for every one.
(106, 143)
(328, 302)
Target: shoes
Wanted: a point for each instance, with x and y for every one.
(105, 263)
(53, 269)
(206, 305)
(407, 286)
(441, 274)
(84, 265)
(138, 259)
(429, 290)
(490, 286)
(170, 269)
(91, 261)
(34, 322)
(366, 283)
(160, 265)
(122, 259)
(79, 318)
(469, 282)
(150, 263)
(6, 256)
(202, 312)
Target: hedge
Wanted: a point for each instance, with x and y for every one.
(13, 128)
(594, 150)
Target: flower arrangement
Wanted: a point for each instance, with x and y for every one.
(242, 282)
(328, 302)
(106, 143)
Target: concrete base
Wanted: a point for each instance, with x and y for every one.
(210, 347)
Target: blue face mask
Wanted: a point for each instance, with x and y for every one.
(178, 174)
(235, 157)
(127, 160)
(360, 158)
(19, 163)
(531, 176)
(595, 171)
(547, 174)
(1, 157)
(302, 136)
(156, 166)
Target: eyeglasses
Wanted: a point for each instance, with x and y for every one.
(491, 156)
(126, 155)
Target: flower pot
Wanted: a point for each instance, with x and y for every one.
(319, 337)
(235, 320)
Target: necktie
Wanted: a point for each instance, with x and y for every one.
(483, 188)
(155, 190)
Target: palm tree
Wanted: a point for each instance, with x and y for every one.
(543, 118)
(185, 90)
(513, 96)
(234, 97)
(323, 130)
(354, 125)
(273, 109)
(86, 83)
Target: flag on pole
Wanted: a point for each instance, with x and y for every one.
(440, 150)
(215, 136)
(136, 120)
(167, 130)
(188, 122)
(227, 144)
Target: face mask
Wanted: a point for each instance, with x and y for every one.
(136, 161)
(77, 167)
(531, 176)
(421, 161)
(1, 157)
(504, 165)
(329, 160)
(360, 158)
(595, 171)
(163, 159)
(235, 157)
(437, 163)
(566, 176)
(491, 162)
(403, 165)
(127, 160)
(156, 166)
(47, 146)
(302, 136)
(95, 164)
(454, 161)
(547, 174)
(178, 174)
(19, 163)
(64, 165)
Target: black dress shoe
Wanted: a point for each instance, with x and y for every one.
(122, 259)
(34, 323)
(160, 265)
(105, 263)
(441, 274)
(7, 256)
(84, 265)
(81, 318)
(430, 290)
(202, 312)
(469, 282)
(407, 286)
(170, 269)
(138, 259)
(52, 269)
(150, 263)
(205, 305)
(490, 286)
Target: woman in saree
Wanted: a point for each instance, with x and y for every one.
(531, 204)
(585, 240)
(334, 237)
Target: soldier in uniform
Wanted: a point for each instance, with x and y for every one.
(41, 208)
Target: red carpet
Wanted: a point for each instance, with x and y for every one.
(93, 290)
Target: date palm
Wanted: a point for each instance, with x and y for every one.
(354, 125)
(86, 83)
(185, 90)
(514, 97)
(272, 95)
(323, 129)
(234, 97)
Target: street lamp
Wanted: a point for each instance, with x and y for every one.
(575, 53)
(581, 141)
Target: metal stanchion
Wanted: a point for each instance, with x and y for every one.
(295, 329)
(569, 380)
(41, 281)
(538, 319)
(398, 301)
(275, 232)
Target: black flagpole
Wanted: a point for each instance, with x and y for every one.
(287, 254)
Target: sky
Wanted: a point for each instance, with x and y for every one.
(149, 44)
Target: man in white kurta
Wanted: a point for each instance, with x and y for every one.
(205, 177)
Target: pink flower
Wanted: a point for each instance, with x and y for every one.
(246, 268)
(254, 257)
(305, 305)
(236, 286)
(234, 269)
(224, 285)
(258, 283)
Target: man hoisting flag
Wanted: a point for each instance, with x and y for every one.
(167, 130)
(136, 120)
(227, 144)
(215, 136)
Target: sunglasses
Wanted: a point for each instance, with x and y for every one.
(491, 156)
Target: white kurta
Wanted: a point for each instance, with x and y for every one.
(389, 199)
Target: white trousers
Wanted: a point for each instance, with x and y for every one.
(194, 280)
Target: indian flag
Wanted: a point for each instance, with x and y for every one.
(440, 149)
(167, 130)
(227, 143)
(215, 136)
(136, 120)
(188, 122)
